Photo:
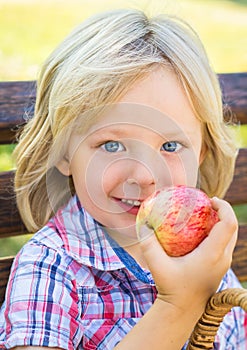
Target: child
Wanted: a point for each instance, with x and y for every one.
(125, 105)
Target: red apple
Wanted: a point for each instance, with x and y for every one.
(180, 216)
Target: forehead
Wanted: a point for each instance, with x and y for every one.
(157, 101)
(125, 119)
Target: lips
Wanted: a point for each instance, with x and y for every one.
(130, 206)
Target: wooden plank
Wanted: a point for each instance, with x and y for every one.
(17, 100)
(5, 266)
(237, 192)
(234, 89)
(11, 223)
(239, 263)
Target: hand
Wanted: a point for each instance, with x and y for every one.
(193, 278)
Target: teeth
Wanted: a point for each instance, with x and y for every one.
(131, 202)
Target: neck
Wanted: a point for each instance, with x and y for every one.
(131, 245)
(136, 252)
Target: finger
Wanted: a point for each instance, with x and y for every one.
(227, 217)
(149, 243)
(224, 210)
(224, 232)
(153, 252)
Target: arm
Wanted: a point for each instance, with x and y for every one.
(185, 287)
(50, 278)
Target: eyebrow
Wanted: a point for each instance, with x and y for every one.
(114, 131)
(119, 132)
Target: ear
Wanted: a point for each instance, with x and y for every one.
(64, 167)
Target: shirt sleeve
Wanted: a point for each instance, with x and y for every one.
(232, 331)
(41, 306)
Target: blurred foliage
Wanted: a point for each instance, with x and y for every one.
(6, 161)
(10, 246)
(29, 30)
(241, 212)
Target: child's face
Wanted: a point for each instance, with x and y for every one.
(150, 139)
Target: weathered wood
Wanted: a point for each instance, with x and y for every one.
(234, 88)
(5, 266)
(11, 223)
(239, 262)
(17, 100)
(16, 106)
(237, 192)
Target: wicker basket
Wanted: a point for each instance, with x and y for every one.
(217, 307)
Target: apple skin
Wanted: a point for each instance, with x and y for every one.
(180, 216)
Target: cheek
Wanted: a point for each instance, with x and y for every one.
(191, 167)
(95, 179)
(184, 168)
(113, 176)
(87, 176)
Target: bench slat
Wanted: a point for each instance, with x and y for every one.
(234, 90)
(239, 262)
(17, 99)
(5, 265)
(11, 223)
(236, 194)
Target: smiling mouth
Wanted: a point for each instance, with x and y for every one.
(130, 206)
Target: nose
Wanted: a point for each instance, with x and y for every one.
(149, 169)
(141, 174)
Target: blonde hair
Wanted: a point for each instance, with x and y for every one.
(94, 66)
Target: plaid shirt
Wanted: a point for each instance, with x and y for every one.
(72, 287)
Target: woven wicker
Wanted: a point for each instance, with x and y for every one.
(217, 307)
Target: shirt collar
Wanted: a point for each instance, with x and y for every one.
(84, 238)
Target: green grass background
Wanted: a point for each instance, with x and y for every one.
(30, 30)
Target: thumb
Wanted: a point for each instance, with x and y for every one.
(151, 248)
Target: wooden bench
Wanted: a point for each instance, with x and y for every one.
(17, 98)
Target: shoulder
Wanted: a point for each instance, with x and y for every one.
(43, 288)
(46, 269)
(39, 261)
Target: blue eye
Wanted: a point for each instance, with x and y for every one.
(113, 146)
(171, 146)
